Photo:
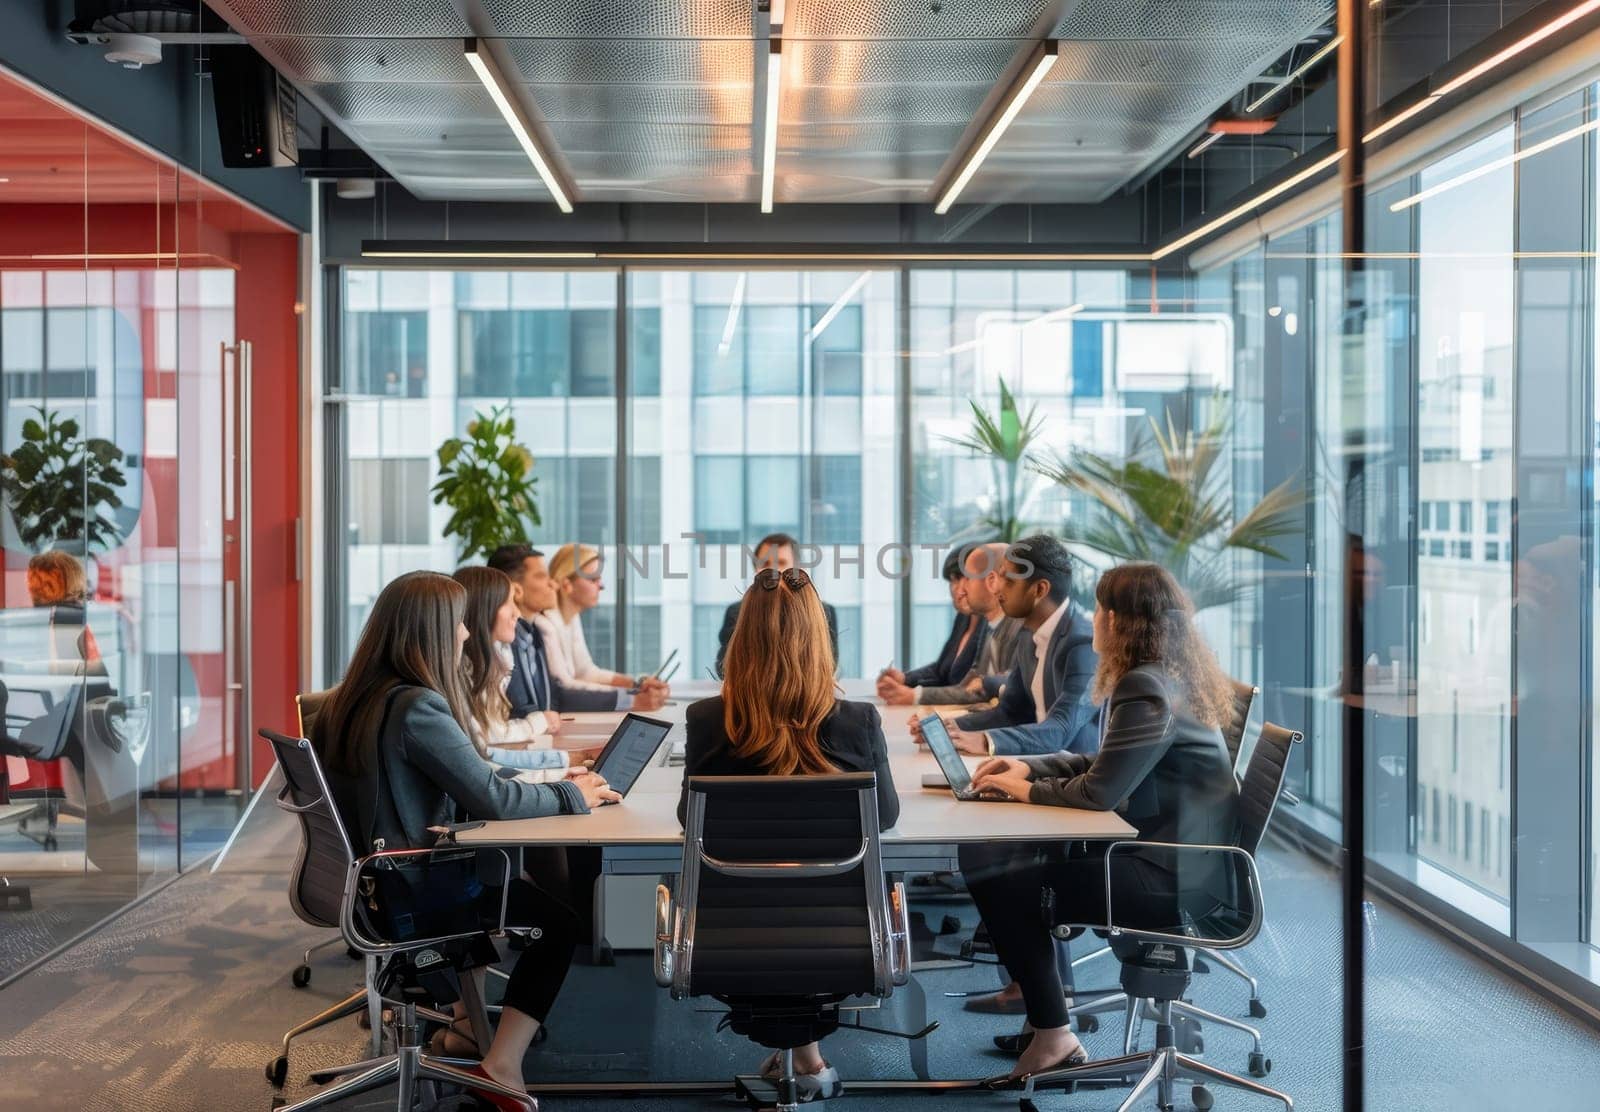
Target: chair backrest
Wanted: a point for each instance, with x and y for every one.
(1234, 733)
(783, 888)
(1263, 782)
(307, 705)
(317, 881)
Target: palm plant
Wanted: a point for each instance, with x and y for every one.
(1007, 441)
(1170, 504)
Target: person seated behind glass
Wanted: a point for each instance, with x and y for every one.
(968, 633)
(575, 575)
(525, 743)
(1162, 764)
(779, 715)
(775, 550)
(400, 762)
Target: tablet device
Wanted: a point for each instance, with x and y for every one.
(632, 744)
(954, 768)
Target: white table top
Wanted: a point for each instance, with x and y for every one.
(649, 814)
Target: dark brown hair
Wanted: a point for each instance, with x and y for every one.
(777, 682)
(409, 641)
(484, 670)
(1154, 624)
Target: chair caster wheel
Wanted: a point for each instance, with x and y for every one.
(1203, 1100)
(301, 977)
(1088, 1024)
(949, 925)
(1200, 965)
(1260, 1065)
(277, 1071)
(1258, 1010)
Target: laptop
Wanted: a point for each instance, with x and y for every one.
(954, 768)
(632, 744)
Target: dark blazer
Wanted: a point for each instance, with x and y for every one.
(955, 659)
(423, 771)
(730, 618)
(995, 659)
(1069, 667)
(532, 687)
(1159, 767)
(852, 738)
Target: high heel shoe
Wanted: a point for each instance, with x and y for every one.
(1004, 1081)
(500, 1101)
(1014, 1044)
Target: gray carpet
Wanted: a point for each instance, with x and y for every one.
(178, 1005)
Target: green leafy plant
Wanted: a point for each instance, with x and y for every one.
(60, 486)
(1006, 440)
(1171, 504)
(487, 481)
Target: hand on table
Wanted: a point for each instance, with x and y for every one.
(1005, 775)
(974, 743)
(580, 758)
(916, 729)
(650, 698)
(595, 791)
(552, 722)
(894, 692)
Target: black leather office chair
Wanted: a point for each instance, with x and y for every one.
(307, 704)
(1156, 968)
(783, 912)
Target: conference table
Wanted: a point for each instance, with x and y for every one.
(641, 836)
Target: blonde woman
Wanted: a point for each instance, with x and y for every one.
(575, 572)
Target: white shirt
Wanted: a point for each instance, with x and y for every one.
(566, 654)
(1041, 646)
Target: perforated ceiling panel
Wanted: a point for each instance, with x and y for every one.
(660, 100)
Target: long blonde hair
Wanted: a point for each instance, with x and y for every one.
(1154, 624)
(570, 560)
(778, 676)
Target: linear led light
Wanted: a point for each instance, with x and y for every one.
(1401, 117)
(1532, 38)
(769, 133)
(494, 83)
(1204, 145)
(1497, 164)
(1039, 63)
(445, 253)
(735, 303)
(838, 306)
(1328, 48)
(1253, 203)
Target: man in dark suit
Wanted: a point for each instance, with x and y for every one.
(1044, 706)
(968, 635)
(776, 550)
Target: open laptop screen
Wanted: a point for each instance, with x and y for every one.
(944, 751)
(632, 745)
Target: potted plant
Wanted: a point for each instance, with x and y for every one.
(61, 487)
(1007, 441)
(486, 478)
(1170, 504)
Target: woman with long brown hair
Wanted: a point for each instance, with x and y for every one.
(779, 714)
(1162, 765)
(393, 737)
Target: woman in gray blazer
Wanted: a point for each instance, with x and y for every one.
(393, 738)
(1162, 765)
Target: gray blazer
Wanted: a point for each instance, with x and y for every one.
(1069, 666)
(998, 657)
(423, 771)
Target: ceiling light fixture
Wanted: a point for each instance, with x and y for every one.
(1204, 145)
(838, 306)
(769, 133)
(1039, 62)
(1253, 203)
(1300, 71)
(1497, 164)
(499, 90)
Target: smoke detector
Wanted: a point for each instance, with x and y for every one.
(132, 51)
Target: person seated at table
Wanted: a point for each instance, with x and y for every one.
(575, 575)
(1162, 765)
(779, 714)
(394, 739)
(1044, 702)
(491, 622)
(533, 685)
(967, 635)
(775, 550)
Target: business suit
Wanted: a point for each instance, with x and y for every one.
(993, 663)
(730, 618)
(422, 770)
(851, 738)
(955, 659)
(1014, 725)
(1170, 777)
(531, 686)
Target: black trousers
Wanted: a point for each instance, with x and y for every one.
(1010, 885)
(541, 968)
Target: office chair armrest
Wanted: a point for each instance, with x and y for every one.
(356, 893)
(285, 801)
(899, 935)
(1252, 879)
(758, 869)
(666, 950)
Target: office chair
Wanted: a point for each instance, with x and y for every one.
(392, 913)
(1156, 972)
(1237, 730)
(783, 912)
(13, 897)
(306, 705)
